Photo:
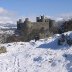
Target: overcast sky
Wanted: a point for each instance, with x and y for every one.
(11, 10)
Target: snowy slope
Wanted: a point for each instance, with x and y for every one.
(41, 56)
(7, 29)
(8, 26)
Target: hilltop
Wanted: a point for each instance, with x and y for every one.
(44, 55)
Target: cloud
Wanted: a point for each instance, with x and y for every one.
(7, 16)
(3, 11)
(5, 20)
(63, 16)
(66, 14)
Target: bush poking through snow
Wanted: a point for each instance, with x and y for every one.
(38, 59)
(65, 55)
(2, 49)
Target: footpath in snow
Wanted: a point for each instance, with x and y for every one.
(42, 56)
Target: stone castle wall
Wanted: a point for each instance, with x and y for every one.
(29, 29)
(39, 25)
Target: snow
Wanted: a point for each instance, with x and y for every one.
(59, 19)
(11, 32)
(40, 56)
(7, 26)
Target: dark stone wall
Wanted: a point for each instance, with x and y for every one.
(29, 29)
(66, 26)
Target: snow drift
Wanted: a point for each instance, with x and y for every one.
(41, 56)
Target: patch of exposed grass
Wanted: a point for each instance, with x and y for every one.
(3, 49)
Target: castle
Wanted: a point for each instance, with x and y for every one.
(41, 27)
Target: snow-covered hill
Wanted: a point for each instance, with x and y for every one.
(6, 30)
(41, 56)
(8, 26)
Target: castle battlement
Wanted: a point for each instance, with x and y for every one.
(41, 26)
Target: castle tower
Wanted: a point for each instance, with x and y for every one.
(19, 24)
(26, 19)
(20, 21)
(42, 19)
(37, 19)
(27, 23)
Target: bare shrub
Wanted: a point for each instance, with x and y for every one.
(3, 49)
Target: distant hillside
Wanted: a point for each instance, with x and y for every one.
(8, 26)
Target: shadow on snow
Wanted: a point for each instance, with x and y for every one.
(68, 57)
(53, 45)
